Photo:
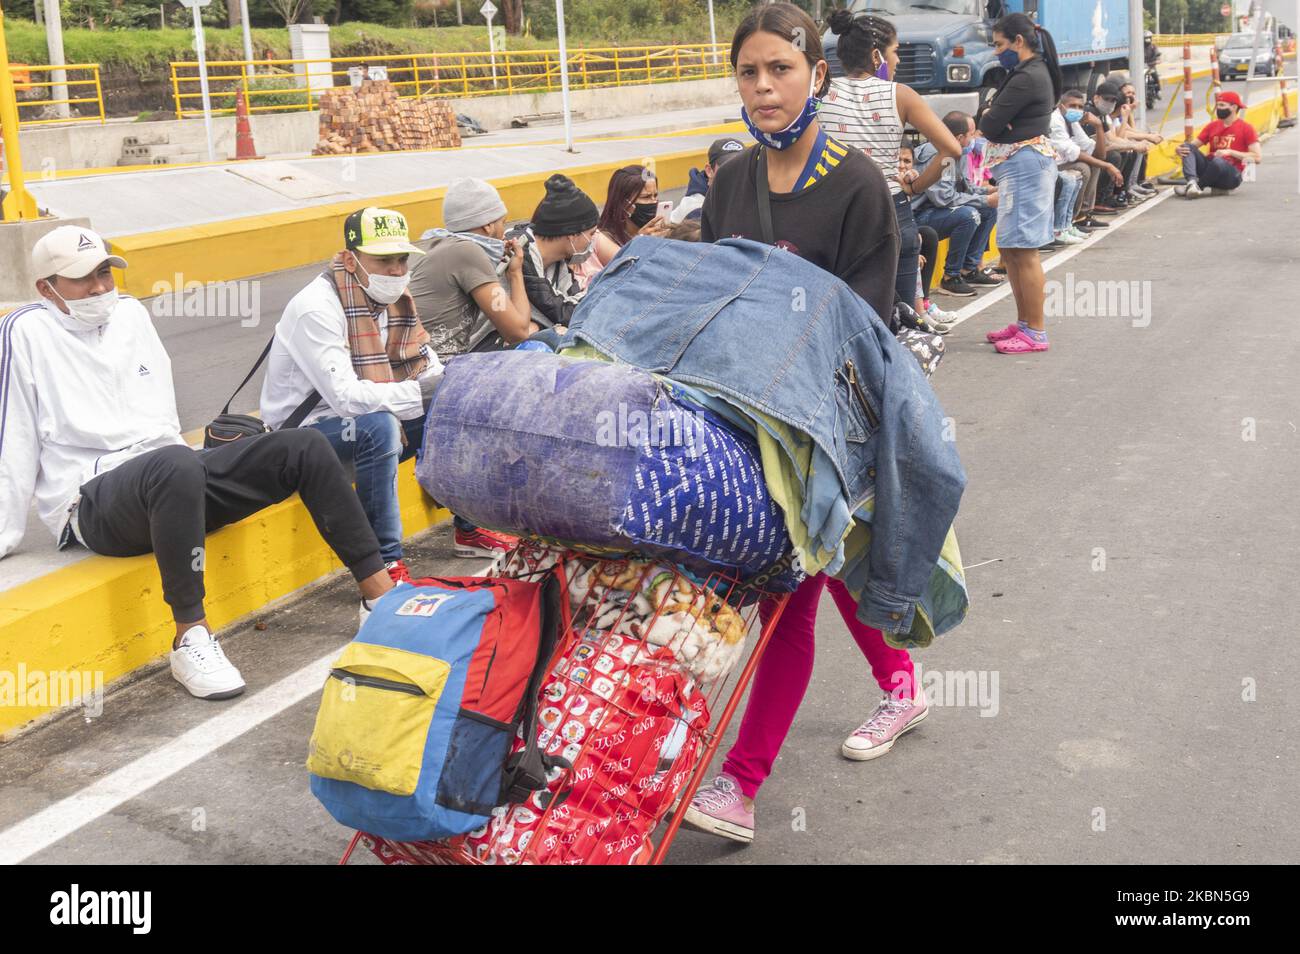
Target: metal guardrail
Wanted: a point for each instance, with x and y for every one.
(84, 91)
(290, 84)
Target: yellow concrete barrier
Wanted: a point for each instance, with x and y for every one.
(104, 617)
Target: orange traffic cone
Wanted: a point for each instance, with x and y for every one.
(244, 148)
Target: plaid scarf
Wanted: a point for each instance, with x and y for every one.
(406, 355)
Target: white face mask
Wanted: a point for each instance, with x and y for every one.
(386, 289)
(93, 311)
(579, 257)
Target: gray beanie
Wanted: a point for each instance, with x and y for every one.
(471, 204)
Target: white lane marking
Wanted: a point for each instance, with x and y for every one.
(1060, 258)
(52, 824)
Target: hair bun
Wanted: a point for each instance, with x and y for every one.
(840, 21)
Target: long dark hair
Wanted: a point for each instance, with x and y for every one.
(1038, 41)
(624, 186)
(788, 21)
(858, 36)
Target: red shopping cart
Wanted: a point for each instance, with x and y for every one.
(640, 690)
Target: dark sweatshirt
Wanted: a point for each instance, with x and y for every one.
(844, 222)
(1022, 107)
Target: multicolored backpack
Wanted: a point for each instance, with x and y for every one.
(414, 732)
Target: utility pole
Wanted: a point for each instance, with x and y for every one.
(54, 42)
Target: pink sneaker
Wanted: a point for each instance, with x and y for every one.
(1008, 332)
(891, 719)
(1019, 343)
(719, 809)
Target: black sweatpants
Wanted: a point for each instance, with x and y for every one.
(168, 500)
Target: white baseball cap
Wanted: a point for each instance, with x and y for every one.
(71, 252)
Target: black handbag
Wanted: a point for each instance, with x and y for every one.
(227, 428)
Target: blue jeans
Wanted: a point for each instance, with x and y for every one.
(967, 229)
(372, 443)
(1071, 183)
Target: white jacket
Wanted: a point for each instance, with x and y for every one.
(1069, 139)
(75, 402)
(310, 351)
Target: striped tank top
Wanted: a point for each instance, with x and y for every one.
(862, 113)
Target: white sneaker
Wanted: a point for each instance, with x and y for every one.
(202, 668)
(367, 605)
(1068, 238)
(1190, 191)
(1077, 233)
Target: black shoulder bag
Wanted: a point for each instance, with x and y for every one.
(227, 427)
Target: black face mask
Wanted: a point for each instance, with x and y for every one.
(643, 212)
(1223, 112)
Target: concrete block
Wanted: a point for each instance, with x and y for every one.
(17, 280)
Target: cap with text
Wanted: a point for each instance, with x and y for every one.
(378, 232)
(71, 251)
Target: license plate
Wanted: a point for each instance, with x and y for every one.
(1242, 67)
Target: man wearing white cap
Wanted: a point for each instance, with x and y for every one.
(88, 428)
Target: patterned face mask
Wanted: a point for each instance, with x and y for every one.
(787, 137)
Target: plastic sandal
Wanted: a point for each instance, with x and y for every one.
(1008, 332)
(1019, 343)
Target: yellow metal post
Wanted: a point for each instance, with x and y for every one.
(18, 202)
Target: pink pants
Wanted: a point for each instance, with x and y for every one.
(784, 672)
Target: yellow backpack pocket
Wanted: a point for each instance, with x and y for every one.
(374, 717)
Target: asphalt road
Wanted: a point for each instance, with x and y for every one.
(1129, 528)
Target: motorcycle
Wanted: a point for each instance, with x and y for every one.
(1153, 87)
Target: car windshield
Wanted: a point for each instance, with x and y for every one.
(897, 7)
(1244, 41)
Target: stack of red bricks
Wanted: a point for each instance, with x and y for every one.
(374, 119)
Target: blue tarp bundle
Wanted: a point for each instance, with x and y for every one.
(599, 455)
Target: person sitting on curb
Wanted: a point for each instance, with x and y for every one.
(693, 201)
(90, 431)
(468, 285)
(1106, 122)
(1233, 142)
(1074, 153)
(352, 339)
(559, 238)
(962, 214)
(1139, 184)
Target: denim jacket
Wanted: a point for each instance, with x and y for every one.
(785, 338)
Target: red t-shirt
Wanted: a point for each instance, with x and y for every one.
(1238, 136)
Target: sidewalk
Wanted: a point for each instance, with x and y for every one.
(129, 203)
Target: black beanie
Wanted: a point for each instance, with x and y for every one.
(566, 210)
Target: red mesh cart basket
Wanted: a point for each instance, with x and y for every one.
(642, 685)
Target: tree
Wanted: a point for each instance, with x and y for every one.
(289, 10)
(512, 14)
